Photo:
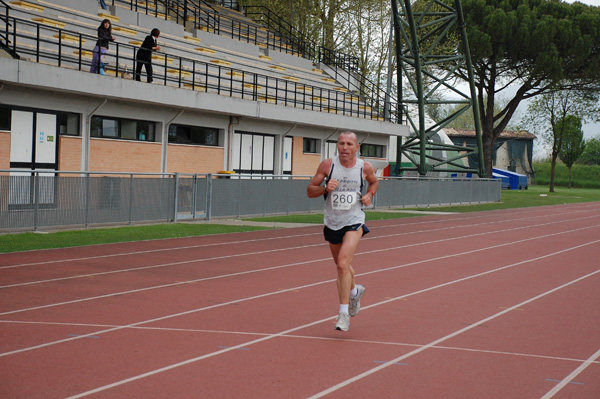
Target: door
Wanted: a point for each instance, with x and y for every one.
(33, 142)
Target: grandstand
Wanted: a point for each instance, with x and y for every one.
(234, 90)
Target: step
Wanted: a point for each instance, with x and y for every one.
(27, 5)
(51, 22)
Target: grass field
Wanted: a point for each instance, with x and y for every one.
(535, 196)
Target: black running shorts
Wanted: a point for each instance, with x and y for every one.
(337, 236)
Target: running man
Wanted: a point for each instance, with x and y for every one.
(340, 180)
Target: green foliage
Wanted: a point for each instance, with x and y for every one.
(573, 143)
(591, 152)
(583, 176)
(534, 45)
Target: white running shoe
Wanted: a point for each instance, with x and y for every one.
(354, 306)
(342, 322)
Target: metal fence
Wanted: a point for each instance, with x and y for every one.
(32, 200)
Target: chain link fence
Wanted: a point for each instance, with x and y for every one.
(33, 200)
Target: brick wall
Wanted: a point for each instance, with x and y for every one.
(4, 150)
(194, 159)
(69, 153)
(303, 164)
(124, 156)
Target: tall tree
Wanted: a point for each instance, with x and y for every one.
(545, 113)
(573, 143)
(530, 45)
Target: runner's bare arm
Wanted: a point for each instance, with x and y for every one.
(315, 188)
(369, 174)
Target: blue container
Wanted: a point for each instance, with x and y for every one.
(505, 180)
(516, 181)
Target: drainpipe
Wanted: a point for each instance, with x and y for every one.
(85, 142)
(363, 140)
(324, 143)
(165, 142)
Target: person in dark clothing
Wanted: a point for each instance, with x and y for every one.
(104, 37)
(144, 55)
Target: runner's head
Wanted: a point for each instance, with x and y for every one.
(347, 145)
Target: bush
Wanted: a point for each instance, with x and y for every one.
(582, 176)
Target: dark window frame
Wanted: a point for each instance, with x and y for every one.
(308, 144)
(190, 135)
(372, 150)
(144, 130)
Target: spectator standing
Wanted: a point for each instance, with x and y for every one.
(104, 37)
(144, 55)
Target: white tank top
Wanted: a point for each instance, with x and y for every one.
(343, 206)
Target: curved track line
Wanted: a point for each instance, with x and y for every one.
(290, 249)
(307, 262)
(378, 368)
(263, 239)
(449, 336)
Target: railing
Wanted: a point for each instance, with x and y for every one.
(4, 24)
(279, 35)
(55, 46)
(32, 200)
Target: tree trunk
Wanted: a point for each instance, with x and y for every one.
(488, 152)
(552, 169)
(570, 176)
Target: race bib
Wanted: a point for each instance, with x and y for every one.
(343, 201)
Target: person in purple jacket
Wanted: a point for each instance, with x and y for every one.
(104, 37)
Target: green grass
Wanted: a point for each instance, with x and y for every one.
(73, 238)
(535, 196)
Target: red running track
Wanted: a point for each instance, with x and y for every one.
(502, 304)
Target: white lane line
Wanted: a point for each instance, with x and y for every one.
(462, 218)
(288, 249)
(571, 376)
(313, 261)
(301, 337)
(303, 263)
(434, 343)
(440, 340)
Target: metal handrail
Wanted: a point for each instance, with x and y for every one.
(67, 49)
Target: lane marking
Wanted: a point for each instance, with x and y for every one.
(454, 334)
(397, 364)
(378, 368)
(304, 337)
(543, 215)
(571, 382)
(570, 377)
(82, 336)
(296, 264)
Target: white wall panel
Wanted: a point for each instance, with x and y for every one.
(21, 137)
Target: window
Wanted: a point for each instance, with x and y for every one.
(372, 151)
(68, 123)
(126, 129)
(181, 134)
(311, 146)
(4, 117)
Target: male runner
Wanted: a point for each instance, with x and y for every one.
(343, 177)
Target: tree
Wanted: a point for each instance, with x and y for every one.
(547, 110)
(591, 152)
(572, 141)
(533, 46)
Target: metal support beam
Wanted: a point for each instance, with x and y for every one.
(429, 63)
